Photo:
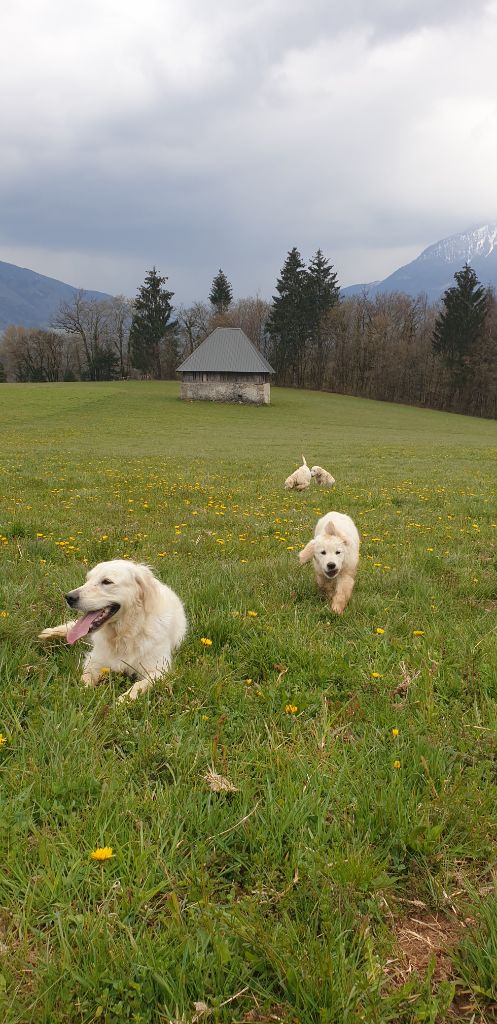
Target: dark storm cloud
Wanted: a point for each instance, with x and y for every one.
(195, 137)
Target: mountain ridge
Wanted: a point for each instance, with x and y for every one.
(29, 299)
(432, 272)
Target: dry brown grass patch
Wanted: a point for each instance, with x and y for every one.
(420, 937)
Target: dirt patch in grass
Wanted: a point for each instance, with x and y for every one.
(421, 936)
(4, 946)
(276, 1013)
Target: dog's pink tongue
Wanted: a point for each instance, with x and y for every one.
(81, 627)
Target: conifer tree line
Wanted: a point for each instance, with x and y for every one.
(390, 347)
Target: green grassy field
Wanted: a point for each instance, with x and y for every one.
(350, 876)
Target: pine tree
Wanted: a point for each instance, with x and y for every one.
(288, 326)
(459, 326)
(221, 293)
(323, 289)
(323, 292)
(151, 326)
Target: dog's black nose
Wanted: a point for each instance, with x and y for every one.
(330, 566)
(71, 599)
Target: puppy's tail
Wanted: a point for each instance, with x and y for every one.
(303, 460)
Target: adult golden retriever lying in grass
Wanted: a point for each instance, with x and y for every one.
(334, 550)
(133, 621)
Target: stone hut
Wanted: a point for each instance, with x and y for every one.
(226, 367)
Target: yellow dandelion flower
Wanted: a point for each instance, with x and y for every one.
(252, 615)
(248, 682)
(102, 853)
(291, 709)
(104, 537)
(396, 764)
(3, 739)
(104, 671)
(376, 675)
(395, 732)
(3, 615)
(205, 641)
(418, 632)
(379, 630)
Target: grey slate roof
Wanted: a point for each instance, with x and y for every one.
(226, 350)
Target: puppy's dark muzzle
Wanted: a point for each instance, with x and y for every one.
(72, 598)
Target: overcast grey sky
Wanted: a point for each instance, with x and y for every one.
(197, 136)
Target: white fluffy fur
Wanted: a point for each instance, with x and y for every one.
(141, 636)
(300, 480)
(334, 551)
(322, 477)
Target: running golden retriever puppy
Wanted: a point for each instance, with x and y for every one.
(132, 620)
(334, 551)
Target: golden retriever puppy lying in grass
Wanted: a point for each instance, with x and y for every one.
(300, 480)
(322, 477)
(334, 551)
(133, 621)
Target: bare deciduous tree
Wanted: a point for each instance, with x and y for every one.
(119, 316)
(88, 321)
(193, 327)
(34, 354)
(251, 314)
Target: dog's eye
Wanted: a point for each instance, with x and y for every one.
(323, 552)
(337, 552)
(106, 583)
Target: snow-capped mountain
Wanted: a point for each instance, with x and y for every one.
(433, 270)
(480, 242)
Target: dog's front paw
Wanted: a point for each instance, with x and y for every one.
(338, 607)
(141, 686)
(88, 679)
(53, 633)
(126, 696)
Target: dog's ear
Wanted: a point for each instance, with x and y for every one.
(306, 554)
(335, 532)
(145, 582)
